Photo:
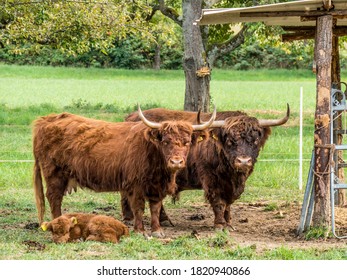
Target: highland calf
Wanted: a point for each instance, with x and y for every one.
(140, 159)
(89, 227)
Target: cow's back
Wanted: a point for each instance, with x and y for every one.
(88, 150)
(162, 114)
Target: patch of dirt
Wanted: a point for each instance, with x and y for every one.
(34, 245)
(254, 225)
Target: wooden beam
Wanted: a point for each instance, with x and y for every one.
(322, 147)
(299, 35)
(308, 32)
(340, 13)
(338, 135)
(300, 28)
(327, 5)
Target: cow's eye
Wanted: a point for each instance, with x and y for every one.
(165, 143)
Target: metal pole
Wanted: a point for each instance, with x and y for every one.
(300, 142)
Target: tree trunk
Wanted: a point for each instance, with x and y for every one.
(196, 70)
(157, 61)
(323, 56)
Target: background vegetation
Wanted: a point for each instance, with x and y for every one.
(109, 94)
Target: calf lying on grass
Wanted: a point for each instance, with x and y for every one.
(75, 226)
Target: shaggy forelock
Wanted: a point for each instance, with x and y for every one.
(176, 127)
(241, 123)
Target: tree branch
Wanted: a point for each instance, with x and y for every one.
(217, 50)
(170, 12)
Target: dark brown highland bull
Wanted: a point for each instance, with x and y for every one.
(140, 159)
(221, 165)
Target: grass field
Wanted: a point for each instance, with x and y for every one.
(29, 92)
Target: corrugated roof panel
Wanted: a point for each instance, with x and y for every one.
(236, 15)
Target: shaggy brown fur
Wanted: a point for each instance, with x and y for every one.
(142, 162)
(221, 165)
(90, 227)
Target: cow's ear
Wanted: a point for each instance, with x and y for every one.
(153, 135)
(199, 136)
(73, 221)
(46, 226)
(265, 135)
(216, 135)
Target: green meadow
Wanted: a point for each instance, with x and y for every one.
(29, 92)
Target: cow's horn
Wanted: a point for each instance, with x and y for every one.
(266, 123)
(198, 117)
(208, 123)
(145, 121)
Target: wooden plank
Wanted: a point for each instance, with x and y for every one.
(309, 33)
(340, 13)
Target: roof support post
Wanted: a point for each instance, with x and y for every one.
(338, 138)
(323, 57)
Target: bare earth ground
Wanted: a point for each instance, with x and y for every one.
(254, 225)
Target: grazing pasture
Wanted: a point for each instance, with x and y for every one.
(265, 217)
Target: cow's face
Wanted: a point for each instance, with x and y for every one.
(241, 140)
(174, 141)
(173, 138)
(60, 228)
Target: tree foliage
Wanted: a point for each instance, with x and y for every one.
(73, 26)
(117, 33)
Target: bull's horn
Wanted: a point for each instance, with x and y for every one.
(266, 123)
(214, 124)
(198, 117)
(208, 123)
(145, 121)
(218, 123)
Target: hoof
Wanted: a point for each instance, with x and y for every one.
(166, 223)
(227, 228)
(219, 227)
(230, 228)
(158, 234)
(128, 222)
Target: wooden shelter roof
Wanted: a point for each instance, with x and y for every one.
(295, 13)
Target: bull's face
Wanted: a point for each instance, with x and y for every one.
(60, 228)
(241, 141)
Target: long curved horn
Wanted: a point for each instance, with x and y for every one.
(266, 123)
(145, 121)
(219, 123)
(206, 124)
(198, 117)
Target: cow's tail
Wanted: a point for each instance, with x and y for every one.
(38, 189)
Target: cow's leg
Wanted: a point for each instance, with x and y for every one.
(218, 206)
(227, 217)
(110, 236)
(128, 215)
(218, 210)
(164, 218)
(56, 184)
(137, 204)
(155, 208)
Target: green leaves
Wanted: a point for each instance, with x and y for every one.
(72, 26)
